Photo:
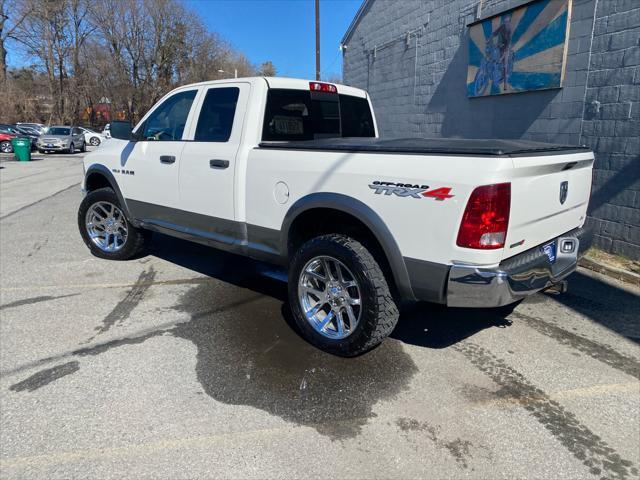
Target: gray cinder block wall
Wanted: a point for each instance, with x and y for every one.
(411, 56)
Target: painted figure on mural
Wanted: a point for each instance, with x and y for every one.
(497, 63)
(519, 50)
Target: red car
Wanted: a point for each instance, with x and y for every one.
(5, 142)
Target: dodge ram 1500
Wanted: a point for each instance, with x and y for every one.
(293, 172)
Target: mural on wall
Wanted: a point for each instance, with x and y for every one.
(519, 50)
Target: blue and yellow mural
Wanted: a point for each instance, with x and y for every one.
(519, 50)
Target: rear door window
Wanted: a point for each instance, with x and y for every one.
(216, 116)
(305, 115)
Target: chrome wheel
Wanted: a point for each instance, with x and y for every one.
(95, 141)
(5, 147)
(106, 226)
(330, 297)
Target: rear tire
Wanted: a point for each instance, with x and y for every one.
(135, 239)
(6, 147)
(377, 312)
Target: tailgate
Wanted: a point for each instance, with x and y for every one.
(549, 197)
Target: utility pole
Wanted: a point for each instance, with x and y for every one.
(317, 39)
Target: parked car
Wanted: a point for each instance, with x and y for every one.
(62, 139)
(106, 132)
(31, 134)
(6, 128)
(92, 137)
(361, 223)
(5, 142)
(38, 127)
(18, 132)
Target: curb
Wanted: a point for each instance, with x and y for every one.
(614, 272)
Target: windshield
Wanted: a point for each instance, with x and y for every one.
(59, 131)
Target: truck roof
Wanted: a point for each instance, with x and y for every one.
(283, 82)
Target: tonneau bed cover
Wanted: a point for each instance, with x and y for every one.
(442, 146)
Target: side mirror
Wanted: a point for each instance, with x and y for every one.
(121, 130)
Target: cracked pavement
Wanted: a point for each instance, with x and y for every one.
(183, 364)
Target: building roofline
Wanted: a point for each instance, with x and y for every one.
(355, 21)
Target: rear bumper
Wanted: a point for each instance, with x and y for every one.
(516, 277)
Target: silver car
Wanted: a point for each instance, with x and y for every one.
(62, 139)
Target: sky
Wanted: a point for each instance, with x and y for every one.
(282, 31)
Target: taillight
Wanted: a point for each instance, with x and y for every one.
(486, 218)
(322, 87)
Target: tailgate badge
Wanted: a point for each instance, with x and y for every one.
(564, 189)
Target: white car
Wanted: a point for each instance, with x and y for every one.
(259, 167)
(92, 137)
(106, 132)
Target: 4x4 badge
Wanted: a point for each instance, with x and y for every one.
(408, 190)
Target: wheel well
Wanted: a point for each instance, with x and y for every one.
(321, 221)
(96, 181)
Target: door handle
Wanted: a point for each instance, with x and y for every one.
(167, 159)
(219, 164)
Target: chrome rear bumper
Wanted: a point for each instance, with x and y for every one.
(516, 277)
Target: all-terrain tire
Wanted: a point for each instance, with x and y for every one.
(136, 238)
(379, 312)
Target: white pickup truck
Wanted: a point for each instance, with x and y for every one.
(293, 172)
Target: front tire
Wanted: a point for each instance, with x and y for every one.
(339, 297)
(94, 141)
(72, 149)
(105, 228)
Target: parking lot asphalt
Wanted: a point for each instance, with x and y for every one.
(182, 364)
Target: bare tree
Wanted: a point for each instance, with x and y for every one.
(12, 15)
(122, 53)
(45, 35)
(267, 69)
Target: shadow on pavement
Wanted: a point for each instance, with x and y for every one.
(610, 306)
(422, 324)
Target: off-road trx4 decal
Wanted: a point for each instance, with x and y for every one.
(410, 190)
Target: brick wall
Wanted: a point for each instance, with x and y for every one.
(411, 56)
(612, 125)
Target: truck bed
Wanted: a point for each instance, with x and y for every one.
(431, 146)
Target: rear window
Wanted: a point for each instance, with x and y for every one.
(305, 115)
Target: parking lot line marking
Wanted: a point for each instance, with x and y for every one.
(38, 201)
(90, 286)
(204, 441)
(583, 392)
(135, 449)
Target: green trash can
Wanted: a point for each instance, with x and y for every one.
(21, 149)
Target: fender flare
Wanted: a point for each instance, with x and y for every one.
(366, 215)
(111, 179)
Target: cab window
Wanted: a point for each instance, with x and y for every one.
(167, 122)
